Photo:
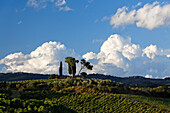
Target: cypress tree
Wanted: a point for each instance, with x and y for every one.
(60, 69)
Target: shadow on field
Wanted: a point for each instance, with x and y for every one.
(42, 95)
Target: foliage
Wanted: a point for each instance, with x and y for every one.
(32, 105)
(60, 69)
(52, 76)
(83, 74)
(152, 101)
(86, 85)
(81, 95)
(71, 65)
(5, 93)
(86, 65)
(75, 102)
(160, 91)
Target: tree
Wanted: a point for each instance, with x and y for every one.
(71, 65)
(60, 69)
(52, 76)
(86, 65)
(83, 74)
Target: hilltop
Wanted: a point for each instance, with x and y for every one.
(134, 81)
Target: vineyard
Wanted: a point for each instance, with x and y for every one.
(77, 95)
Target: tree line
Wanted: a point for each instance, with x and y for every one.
(72, 66)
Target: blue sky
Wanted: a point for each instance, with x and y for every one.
(78, 24)
(76, 29)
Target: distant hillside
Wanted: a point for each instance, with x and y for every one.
(134, 81)
(21, 76)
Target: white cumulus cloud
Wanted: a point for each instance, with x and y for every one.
(151, 51)
(150, 16)
(45, 59)
(119, 56)
(122, 17)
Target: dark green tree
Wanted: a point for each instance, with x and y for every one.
(83, 74)
(71, 65)
(86, 65)
(60, 69)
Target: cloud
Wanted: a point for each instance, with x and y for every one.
(150, 16)
(23, 9)
(137, 5)
(105, 18)
(66, 8)
(45, 59)
(151, 51)
(34, 3)
(60, 4)
(90, 55)
(119, 56)
(167, 52)
(19, 22)
(89, 2)
(20, 10)
(122, 18)
(148, 76)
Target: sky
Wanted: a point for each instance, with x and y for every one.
(120, 38)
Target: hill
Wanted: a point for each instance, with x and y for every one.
(18, 76)
(133, 81)
(77, 95)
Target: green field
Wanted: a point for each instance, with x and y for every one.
(77, 95)
(152, 101)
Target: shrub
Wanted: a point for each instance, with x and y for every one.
(52, 76)
(83, 74)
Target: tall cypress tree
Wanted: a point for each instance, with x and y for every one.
(60, 69)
